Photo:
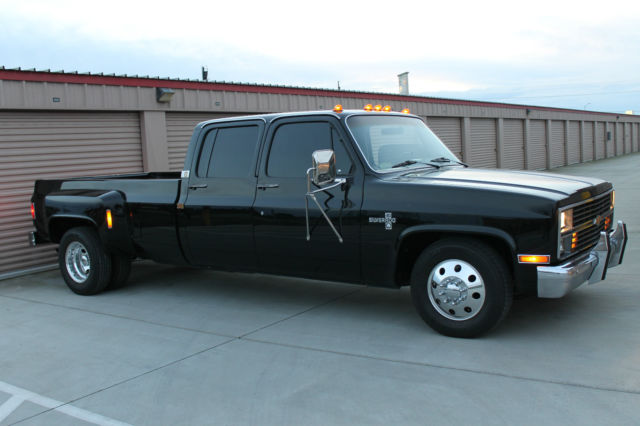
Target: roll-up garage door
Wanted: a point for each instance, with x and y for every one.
(557, 144)
(588, 141)
(179, 129)
(513, 144)
(600, 140)
(448, 130)
(619, 142)
(537, 145)
(573, 143)
(37, 145)
(483, 142)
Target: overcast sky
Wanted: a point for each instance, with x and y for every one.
(583, 55)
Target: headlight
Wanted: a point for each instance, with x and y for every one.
(566, 221)
(567, 240)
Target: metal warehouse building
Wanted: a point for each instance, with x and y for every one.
(55, 124)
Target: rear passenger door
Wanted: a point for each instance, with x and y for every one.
(217, 226)
(280, 226)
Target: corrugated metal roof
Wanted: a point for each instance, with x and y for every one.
(77, 77)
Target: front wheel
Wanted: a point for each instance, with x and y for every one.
(461, 287)
(83, 261)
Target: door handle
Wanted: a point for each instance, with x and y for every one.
(198, 186)
(265, 186)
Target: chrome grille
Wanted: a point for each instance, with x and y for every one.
(589, 220)
(591, 209)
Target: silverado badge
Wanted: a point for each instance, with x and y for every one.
(388, 220)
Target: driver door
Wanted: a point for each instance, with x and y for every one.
(279, 208)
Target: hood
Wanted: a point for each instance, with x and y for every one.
(550, 185)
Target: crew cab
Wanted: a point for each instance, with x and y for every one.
(359, 196)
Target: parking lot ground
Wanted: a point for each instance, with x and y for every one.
(185, 346)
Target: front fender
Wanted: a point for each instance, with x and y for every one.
(523, 276)
(459, 229)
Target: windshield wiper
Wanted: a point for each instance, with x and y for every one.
(410, 162)
(448, 160)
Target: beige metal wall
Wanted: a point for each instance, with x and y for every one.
(39, 145)
(50, 129)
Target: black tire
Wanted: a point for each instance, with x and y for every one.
(83, 261)
(461, 287)
(120, 270)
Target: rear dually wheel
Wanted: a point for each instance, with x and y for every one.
(84, 263)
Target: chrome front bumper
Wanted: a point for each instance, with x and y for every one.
(556, 281)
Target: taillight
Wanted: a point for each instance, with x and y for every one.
(33, 212)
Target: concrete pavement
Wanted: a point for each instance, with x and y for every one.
(183, 346)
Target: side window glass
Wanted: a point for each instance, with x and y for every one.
(344, 165)
(233, 152)
(292, 146)
(205, 153)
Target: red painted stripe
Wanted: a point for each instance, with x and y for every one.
(53, 77)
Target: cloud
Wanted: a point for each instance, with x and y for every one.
(492, 48)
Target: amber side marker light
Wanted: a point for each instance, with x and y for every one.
(109, 219)
(33, 212)
(337, 108)
(534, 259)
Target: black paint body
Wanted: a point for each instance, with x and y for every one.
(257, 222)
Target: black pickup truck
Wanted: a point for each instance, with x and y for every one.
(369, 197)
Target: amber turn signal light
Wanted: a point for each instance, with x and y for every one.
(109, 219)
(534, 258)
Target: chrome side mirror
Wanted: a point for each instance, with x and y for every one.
(323, 174)
(323, 167)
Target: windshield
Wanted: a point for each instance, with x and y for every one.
(389, 142)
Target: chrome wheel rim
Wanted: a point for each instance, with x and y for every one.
(78, 262)
(456, 290)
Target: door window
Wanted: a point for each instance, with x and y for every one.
(293, 144)
(229, 152)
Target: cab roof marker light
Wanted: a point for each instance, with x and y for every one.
(368, 107)
(406, 111)
(337, 108)
(387, 108)
(534, 259)
(109, 219)
(377, 108)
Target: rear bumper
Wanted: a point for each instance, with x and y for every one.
(35, 238)
(557, 281)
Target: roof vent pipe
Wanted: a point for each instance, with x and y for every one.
(403, 82)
